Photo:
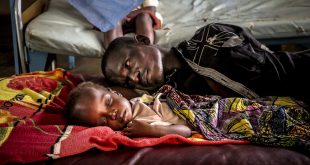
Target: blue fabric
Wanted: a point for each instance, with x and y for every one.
(105, 14)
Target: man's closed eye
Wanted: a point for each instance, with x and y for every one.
(127, 64)
(109, 101)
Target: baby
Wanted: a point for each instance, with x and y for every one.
(91, 104)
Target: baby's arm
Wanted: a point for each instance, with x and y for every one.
(138, 128)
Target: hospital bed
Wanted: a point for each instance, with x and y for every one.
(62, 30)
(34, 130)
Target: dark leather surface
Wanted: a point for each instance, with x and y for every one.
(185, 154)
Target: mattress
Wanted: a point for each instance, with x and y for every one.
(63, 30)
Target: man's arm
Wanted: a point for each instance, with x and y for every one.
(112, 34)
(138, 128)
(144, 24)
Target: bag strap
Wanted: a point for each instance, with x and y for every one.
(223, 80)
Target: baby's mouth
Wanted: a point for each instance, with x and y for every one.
(114, 114)
(120, 116)
(144, 79)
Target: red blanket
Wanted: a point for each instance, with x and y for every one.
(33, 125)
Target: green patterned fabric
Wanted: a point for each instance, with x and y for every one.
(275, 121)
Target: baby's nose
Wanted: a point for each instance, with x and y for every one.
(112, 114)
(134, 76)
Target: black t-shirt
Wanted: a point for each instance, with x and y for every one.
(189, 82)
(234, 52)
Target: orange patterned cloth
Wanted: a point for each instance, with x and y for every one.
(33, 126)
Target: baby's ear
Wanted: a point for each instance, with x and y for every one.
(113, 91)
(142, 39)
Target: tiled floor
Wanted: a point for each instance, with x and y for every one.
(83, 65)
(6, 48)
(6, 65)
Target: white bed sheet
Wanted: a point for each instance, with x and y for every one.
(63, 30)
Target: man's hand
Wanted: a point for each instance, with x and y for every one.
(140, 22)
(133, 14)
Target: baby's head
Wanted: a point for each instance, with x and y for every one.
(91, 104)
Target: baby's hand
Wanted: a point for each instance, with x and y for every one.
(138, 128)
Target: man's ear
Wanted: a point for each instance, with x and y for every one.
(142, 39)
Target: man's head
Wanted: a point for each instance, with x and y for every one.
(133, 62)
(91, 104)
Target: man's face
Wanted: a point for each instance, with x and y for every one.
(139, 66)
(99, 107)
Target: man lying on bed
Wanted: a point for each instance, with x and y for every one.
(219, 59)
(277, 121)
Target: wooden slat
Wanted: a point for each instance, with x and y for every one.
(33, 10)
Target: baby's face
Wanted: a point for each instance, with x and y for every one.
(104, 108)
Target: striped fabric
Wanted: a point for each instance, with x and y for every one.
(33, 126)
